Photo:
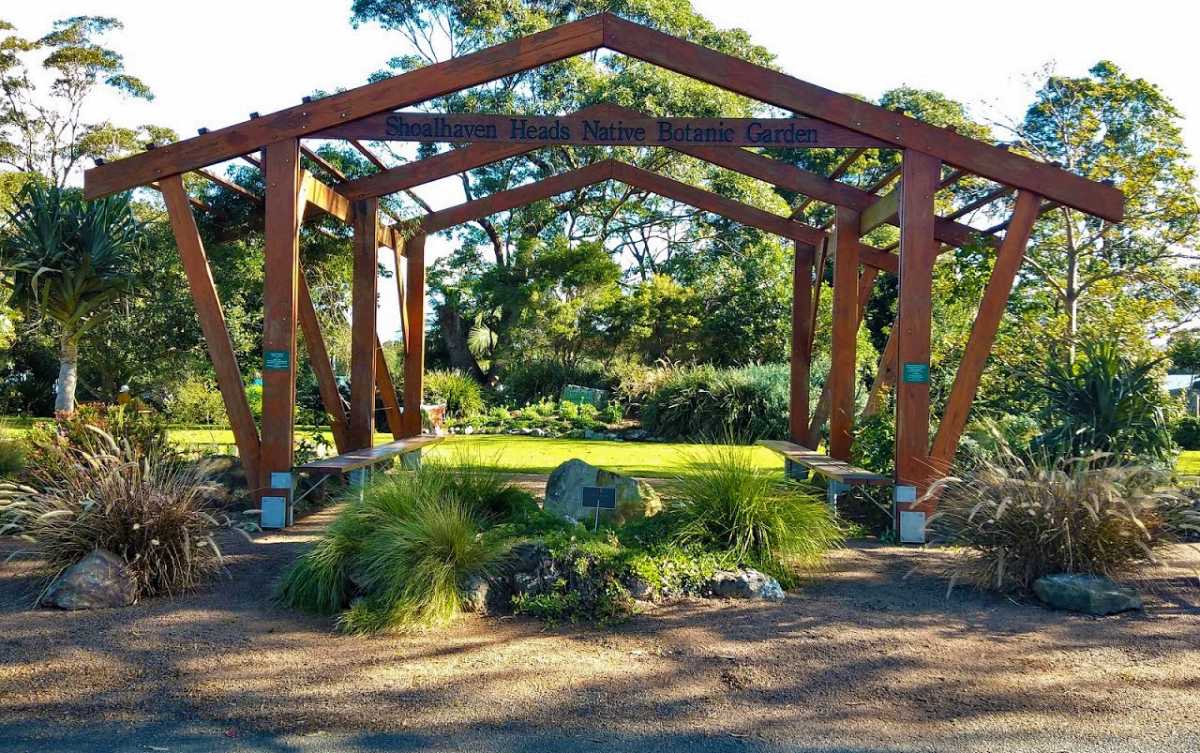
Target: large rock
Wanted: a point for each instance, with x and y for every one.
(488, 595)
(98, 581)
(564, 493)
(1090, 594)
(745, 584)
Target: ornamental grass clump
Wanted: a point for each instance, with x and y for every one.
(1017, 519)
(397, 559)
(149, 511)
(726, 504)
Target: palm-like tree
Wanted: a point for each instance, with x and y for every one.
(67, 261)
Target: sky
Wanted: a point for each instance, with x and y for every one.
(212, 63)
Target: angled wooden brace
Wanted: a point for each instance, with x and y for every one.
(212, 324)
(983, 331)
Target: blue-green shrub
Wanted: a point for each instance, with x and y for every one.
(541, 379)
(704, 402)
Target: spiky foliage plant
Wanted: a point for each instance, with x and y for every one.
(725, 503)
(1017, 518)
(149, 511)
(406, 548)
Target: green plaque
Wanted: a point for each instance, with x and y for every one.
(573, 393)
(915, 373)
(276, 360)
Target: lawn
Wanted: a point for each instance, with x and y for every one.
(520, 454)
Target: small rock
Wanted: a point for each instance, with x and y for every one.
(487, 596)
(1090, 594)
(745, 584)
(539, 432)
(468, 430)
(100, 580)
(640, 589)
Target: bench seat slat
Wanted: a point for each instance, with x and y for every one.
(824, 465)
(355, 459)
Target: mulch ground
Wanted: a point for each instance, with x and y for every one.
(871, 653)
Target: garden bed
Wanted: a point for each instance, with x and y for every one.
(866, 656)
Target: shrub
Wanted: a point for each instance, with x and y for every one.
(703, 402)
(1105, 402)
(1187, 433)
(94, 428)
(196, 401)
(407, 548)
(725, 503)
(1018, 519)
(13, 456)
(144, 508)
(462, 395)
(542, 379)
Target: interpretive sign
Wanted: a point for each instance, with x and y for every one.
(601, 497)
(584, 131)
(915, 373)
(276, 360)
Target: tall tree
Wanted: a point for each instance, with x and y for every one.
(45, 130)
(1109, 126)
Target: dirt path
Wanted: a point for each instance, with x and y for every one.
(865, 657)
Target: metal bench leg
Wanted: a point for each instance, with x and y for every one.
(358, 480)
(794, 470)
(411, 460)
(832, 490)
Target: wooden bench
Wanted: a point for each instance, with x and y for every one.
(841, 476)
(357, 460)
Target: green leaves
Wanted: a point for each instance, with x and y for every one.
(66, 259)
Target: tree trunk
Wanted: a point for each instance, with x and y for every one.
(1072, 288)
(454, 333)
(68, 375)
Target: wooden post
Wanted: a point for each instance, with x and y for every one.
(284, 210)
(919, 178)
(983, 331)
(866, 285)
(843, 350)
(387, 393)
(363, 339)
(212, 324)
(318, 359)
(802, 326)
(398, 255)
(885, 375)
(414, 351)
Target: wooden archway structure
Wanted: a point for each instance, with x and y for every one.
(824, 119)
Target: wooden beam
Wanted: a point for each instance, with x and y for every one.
(885, 375)
(517, 197)
(212, 324)
(717, 204)
(400, 91)
(322, 366)
(371, 156)
(843, 346)
(773, 171)
(414, 352)
(983, 331)
(918, 251)
(881, 212)
(582, 130)
(901, 131)
(363, 338)
(387, 393)
(284, 199)
(802, 327)
(866, 285)
(397, 253)
(838, 171)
